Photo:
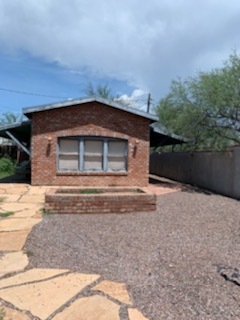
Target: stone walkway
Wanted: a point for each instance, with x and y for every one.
(30, 294)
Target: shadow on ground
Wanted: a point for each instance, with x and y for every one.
(15, 178)
(164, 182)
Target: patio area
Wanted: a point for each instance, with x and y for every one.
(180, 262)
(174, 261)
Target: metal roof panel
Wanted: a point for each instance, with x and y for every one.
(29, 110)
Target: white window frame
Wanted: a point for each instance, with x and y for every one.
(105, 141)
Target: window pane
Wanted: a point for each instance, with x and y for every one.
(116, 155)
(67, 146)
(68, 162)
(93, 155)
(116, 163)
(116, 148)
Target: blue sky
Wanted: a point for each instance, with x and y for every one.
(39, 82)
(56, 47)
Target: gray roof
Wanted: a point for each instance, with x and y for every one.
(28, 111)
(160, 136)
(22, 130)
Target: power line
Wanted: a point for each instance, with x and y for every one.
(32, 94)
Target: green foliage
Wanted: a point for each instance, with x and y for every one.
(2, 314)
(10, 118)
(205, 108)
(100, 91)
(45, 212)
(5, 215)
(104, 91)
(7, 165)
(90, 191)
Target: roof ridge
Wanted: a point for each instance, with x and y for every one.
(71, 102)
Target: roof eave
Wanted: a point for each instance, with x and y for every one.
(15, 125)
(154, 126)
(30, 110)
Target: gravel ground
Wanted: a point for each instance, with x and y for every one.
(177, 262)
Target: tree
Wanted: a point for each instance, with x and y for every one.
(100, 91)
(206, 108)
(10, 118)
(104, 91)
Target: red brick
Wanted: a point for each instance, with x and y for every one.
(66, 203)
(91, 119)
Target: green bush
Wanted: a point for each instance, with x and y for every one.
(2, 314)
(7, 165)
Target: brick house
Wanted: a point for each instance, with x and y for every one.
(89, 142)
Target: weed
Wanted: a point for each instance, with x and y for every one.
(90, 191)
(44, 212)
(29, 254)
(2, 314)
(5, 215)
(81, 191)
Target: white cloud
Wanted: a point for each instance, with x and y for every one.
(146, 43)
(138, 99)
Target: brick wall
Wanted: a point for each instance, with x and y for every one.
(91, 119)
(122, 202)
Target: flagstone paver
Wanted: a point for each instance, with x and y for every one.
(43, 298)
(90, 308)
(14, 185)
(13, 241)
(11, 197)
(43, 291)
(134, 314)
(33, 198)
(13, 262)
(11, 314)
(38, 190)
(31, 275)
(15, 224)
(16, 206)
(114, 290)
(29, 213)
(16, 190)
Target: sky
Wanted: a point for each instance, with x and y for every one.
(51, 49)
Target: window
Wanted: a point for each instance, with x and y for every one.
(68, 155)
(92, 154)
(116, 155)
